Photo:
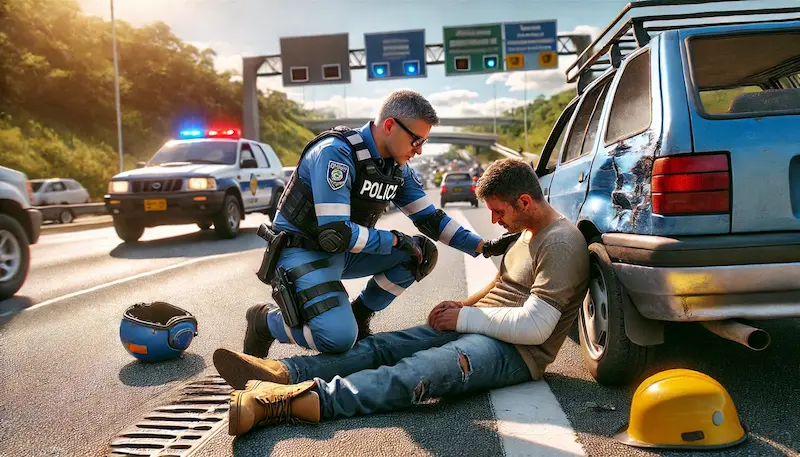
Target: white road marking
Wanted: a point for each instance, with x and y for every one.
(128, 279)
(529, 418)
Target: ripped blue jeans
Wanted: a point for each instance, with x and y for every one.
(395, 370)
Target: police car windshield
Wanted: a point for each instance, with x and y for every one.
(216, 152)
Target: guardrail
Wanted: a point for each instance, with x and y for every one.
(65, 214)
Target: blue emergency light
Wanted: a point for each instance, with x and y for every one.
(411, 68)
(380, 70)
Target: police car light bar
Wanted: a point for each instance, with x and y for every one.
(211, 133)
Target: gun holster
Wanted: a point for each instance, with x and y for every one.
(282, 287)
(275, 244)
(284, 295)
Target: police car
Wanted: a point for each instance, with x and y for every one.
(208, 177)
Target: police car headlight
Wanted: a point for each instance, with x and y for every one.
(202, 184)
(118, 187)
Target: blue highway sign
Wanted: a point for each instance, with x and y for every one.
(395, 55)
(531, 45)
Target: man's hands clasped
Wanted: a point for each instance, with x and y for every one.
(444, 316)
(423, 252)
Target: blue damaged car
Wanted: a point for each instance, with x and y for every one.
(679, 160)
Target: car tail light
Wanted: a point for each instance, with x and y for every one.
(29, 188)
(472, 188)
(444, 189)
(691, 184)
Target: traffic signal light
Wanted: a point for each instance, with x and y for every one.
(380, 70)
(411, 67)
(490, 62)
(462, 63)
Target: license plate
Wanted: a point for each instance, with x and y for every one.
(457, 189)
(155, 205)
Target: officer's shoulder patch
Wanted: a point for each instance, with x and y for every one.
(416, 176)
(337, 174)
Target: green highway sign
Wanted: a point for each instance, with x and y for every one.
(473, 49)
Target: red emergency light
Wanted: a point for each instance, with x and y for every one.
(211, 133)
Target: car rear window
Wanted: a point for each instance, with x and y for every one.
(36, 185)
(747, 74)
(458, 177)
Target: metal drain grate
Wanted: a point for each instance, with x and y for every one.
(179, 428)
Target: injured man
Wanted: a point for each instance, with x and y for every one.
(505, 334)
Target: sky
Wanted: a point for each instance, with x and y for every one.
(237, 28)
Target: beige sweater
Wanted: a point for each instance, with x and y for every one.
(553, 265)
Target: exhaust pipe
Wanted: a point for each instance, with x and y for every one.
(754, 338)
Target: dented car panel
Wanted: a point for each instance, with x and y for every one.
(610, 189)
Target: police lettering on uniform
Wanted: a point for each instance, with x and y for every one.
(324, 232)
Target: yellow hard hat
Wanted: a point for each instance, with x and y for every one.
(682, 409)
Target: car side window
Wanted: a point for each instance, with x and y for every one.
(247, 153)
(575, 142)
(72, 185)
(631, 111)
(550, 152)
(273, 158)
(56, 187)
(261, 158)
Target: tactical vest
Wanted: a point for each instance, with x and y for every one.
(371, 193)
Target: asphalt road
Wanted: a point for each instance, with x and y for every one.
(68, 386)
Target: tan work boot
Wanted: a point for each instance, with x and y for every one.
(237, 368)
(264, 403)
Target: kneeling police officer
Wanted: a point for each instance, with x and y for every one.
(324, 232)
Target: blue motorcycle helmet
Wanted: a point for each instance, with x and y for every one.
(157, 331)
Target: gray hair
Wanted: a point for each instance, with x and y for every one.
(408, 105)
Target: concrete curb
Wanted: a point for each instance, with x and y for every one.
(77, 226)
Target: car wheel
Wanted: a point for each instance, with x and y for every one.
(474, 203)
(612, 358)
(128, 231)
(442, 203)
(15, 256)
(65, 216)
(226, 223)
(205, 225)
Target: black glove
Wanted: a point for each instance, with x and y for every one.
(407, 244)
(499, 245)
(423, 252)
(430, 255)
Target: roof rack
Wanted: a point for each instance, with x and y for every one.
(632, 29)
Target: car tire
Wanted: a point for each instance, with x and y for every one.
(474, 203)
(611, 358)
(226, 224)
(14, 244)
(205, 225)
(128, 232)
(65, 217)
(442, 203)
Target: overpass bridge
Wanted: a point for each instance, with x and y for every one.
(318, 125)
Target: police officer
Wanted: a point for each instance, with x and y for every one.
(343, 183)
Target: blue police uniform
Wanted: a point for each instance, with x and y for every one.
(329, 168)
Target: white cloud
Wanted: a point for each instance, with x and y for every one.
(451, 98)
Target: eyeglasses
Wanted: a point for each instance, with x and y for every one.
(417, 140)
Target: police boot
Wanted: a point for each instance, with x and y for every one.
(363, 316)
(257, 338)
(264, 403)
(237, 368)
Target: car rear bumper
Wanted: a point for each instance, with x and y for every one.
(459, 197)
(183, 207)
(35, 218)
(709, 277)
